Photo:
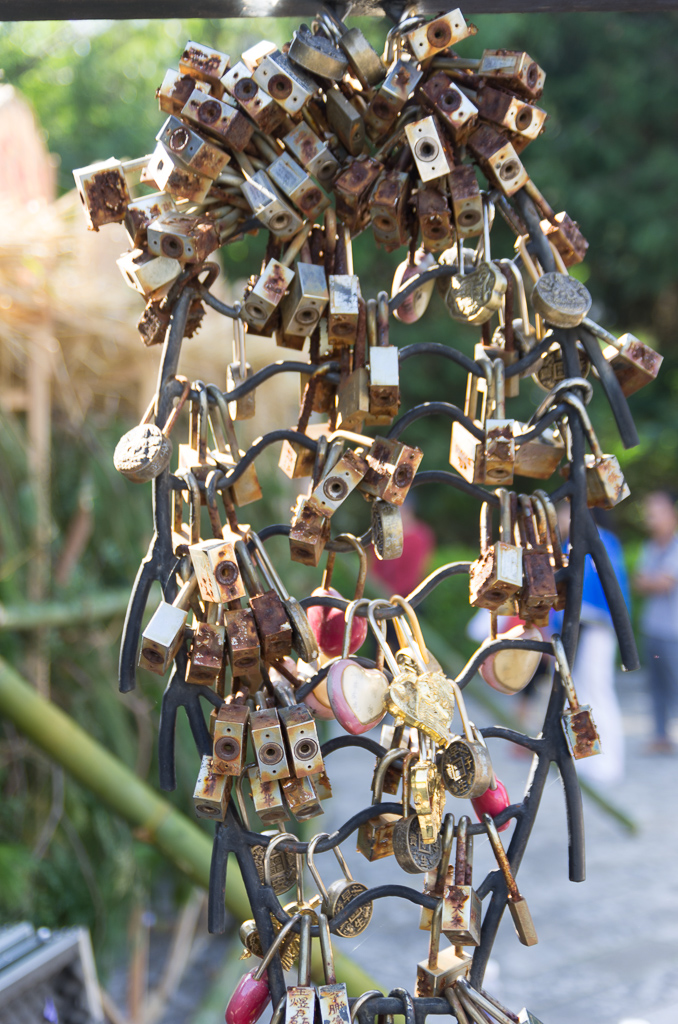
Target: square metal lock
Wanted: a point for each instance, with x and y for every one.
(312, 153)
(305, 304)
(267, 294)
(388, 206)
(162, 638)
(207, 654)
(427, 149)
(497, 159)
(303, 746)
(170, 174)
(567, 238)
(339, 482)
(462, 914)
(283, 80)
(140, 212)
(273, 625)
(175, 90)
(384, 381)
(192, 148)
(352, 191)
(253, 55)
(499, 451)
(392, 467)
(148, 274)
(255, 102)
(205, 64)
(510, 112)
(433, 980)
(182, 237)
(103, 191)
(496, 576)
(218, 118)
(309, 532)
(212, 792)
(244, 652)
(269, 206)
(365, 62)
(298, 186)
(467, 204)
(302, 798)
(429, 39)
(230, 739)
(384, 107)
(345, 121)
(296, 461)
(267, 740)
(216, 570)
(433, 213)
(635, 364)
(458, 114)
(267, 798)
(342, 317)
(353, 400)
(514, 69)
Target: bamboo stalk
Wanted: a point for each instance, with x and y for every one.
(53, 614)
(154, 819)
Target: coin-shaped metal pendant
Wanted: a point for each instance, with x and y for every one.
(551, 370)
(360, 918)
(561, 300)
(465, 768)
(283, 867)
(142, 453)
(412, 853)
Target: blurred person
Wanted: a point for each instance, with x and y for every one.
(656, 579)
(594, 666)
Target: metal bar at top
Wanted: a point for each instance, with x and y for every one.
(62, 10)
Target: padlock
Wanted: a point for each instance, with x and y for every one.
(297, 461)
(560, 300)
(427, 149)
(352, 190)
(490, 460)
(375, 836)
(384, 367)
(303, 307)
(416, 304)
(185, 534)
(167, 171)
(413, 855)
(428, 797)
(267, 740)
(346, 121)
(383, 109)
(164, 634)
(387, 530)
(497, 159)
(446, 100)
(510, 670)
(512, 69)
(605, 483)
(338, 482)
(564, 233)
(392, 468)
(212, 791)
(216, 570)
(301, 998)
(205, 64)
(465, 766)
(249, 936)
(635, 364)
(144, 452)
(269, 207)
(435, 881)
(352, 395)
(494, 800)
(388, 204)
(498, 573)
(279, 866)
(467, 208)
(303, 642)
(312, 153)
(193, 149)
(461, 906)
(150, 275)
(284, 81)
(267, 797)
(182, 237)
(539, 593)
(141, 211)
(227, 455)
(517, 904)
(302, 743)
(238, 372)
(253, 55)
(206, 657)
(474, 297)
(578, 724)
(539, 457)
(301, 797)
(256, 104)
(548, 526)
(272, 623)
(193, 456)
(104, 190)
(219, 119)
(328, 624)
(176, 89)
(230, 738)
(551, 370)
(340, 893)
(332, 996)
(252, 994)
(439, 970)
(510, 112)
(298, 186)
(433, 213)
(357, 695)
(430, 39)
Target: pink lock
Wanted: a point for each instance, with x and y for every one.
(415, 305)
(252, 994)
(509, 671)
(328, 623)
(357, 695)
(492, 802)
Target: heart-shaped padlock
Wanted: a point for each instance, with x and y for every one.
(357, 695)
(509, 671)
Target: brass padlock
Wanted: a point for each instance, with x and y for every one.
(303, 642)
(439, 970)
(465, 766)
(212, 792)
(255, 102)
(150, 275)
(578, 723)
(392, 468)
(474, 297)
(384, 366)
(192, 148)
(340, 893)
(605, 483)
(560, 300)
(387, 530)
(338, 481)
(389, 207)
(490, 460)
(279, 866)
(413, 855)
(383, 109)
(270, 207)
(141, 211)
(435, 881)
(218, 119)
(305, 304)
(301, 797)
(312, 153)
(539, 593)
(332, 996)
(517, 904)
(309, 532)
(168, 172)
(205, 64)
(230, 738)
(284, 81)
(428, 797)
(346, 121)
(512, 69)
(206, 656)
(433, 213)
(497, 159)
(498, 573)
(352, 190)
(635, 364)
(267, 797)
(433, 37)
(352, 396)
(467, 207)
(242, 639)
(298, 186)
(427, 149)
(512, 113)
(269, 749)
(301, 736)
(144, 452)
(375, 836)
(273, 625)
(164, 634)
(175, 90)
(461, 906)
(104, 191)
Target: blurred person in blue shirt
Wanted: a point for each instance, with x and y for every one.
(594, 666)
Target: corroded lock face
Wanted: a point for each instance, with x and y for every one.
(302, 798)
(551, 370)
(412, 853)
(474, 298)
(142, 453)
(465, 768)
(283, 867)
(560, 300)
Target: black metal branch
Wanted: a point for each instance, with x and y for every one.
(612, 388)
(434, 348)
(427, 409)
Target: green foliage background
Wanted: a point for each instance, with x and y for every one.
(608, 156)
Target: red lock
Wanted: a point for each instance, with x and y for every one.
(328, 623)
(252, 994)
(416, 303)
(492, 802)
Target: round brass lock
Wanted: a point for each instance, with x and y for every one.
(339, 894)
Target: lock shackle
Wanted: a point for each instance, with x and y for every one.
(434, 943)
(349, 616)
(505, 525)
(174, 411)
(577, 404)
(351, 539)
(564, 671)
(267, 568)
(239, 354)
(407, 788)
(488, 372)
(470, 1008)
(448, 841)
(272, 843)
(417, 634)
(358, 1003)
(485, 1002)
(379, 636)
(488, 220)
(277, 1015)
(194, 503)
(466, 723)
(295, 246)
(382, 319)
(519, 287)
(499, 386)
(554, 528)
(304, 968)
(530, 266)
(380, 774)
(500, 856)
(527, 519)
(310, 860)
(481, 740)
(275, 946)
(188, 589)
(211, 501)
(460, 857)
(371, 322)
(407, 641)
(541, 522)
(326, 949)
(248, 570)
(213, 392)
(458, 1010)
(240, 795)
(198, 423)
(554, 394)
